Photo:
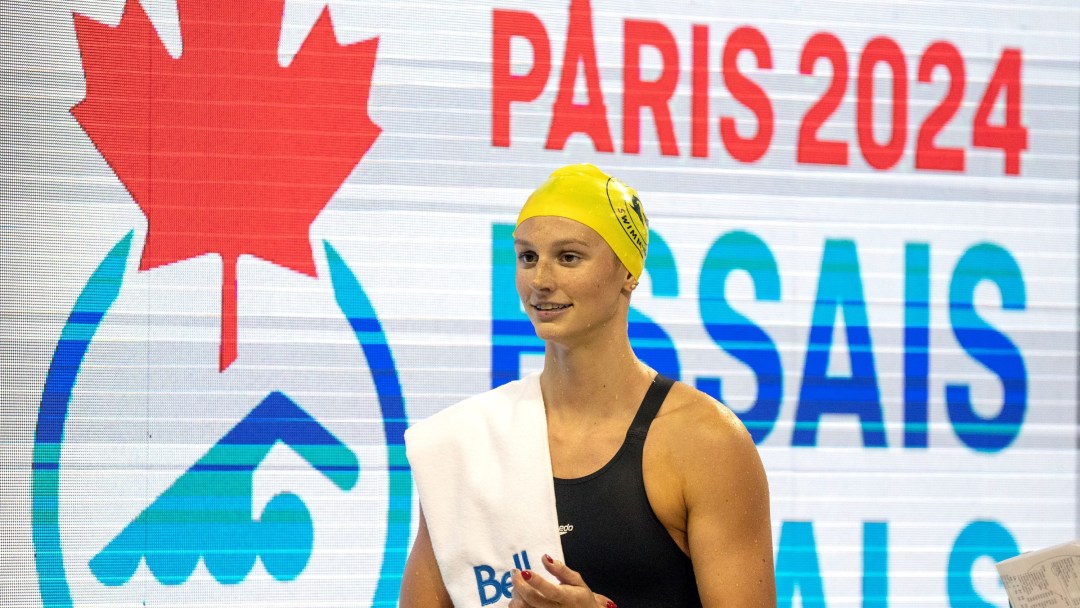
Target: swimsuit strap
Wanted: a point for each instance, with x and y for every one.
(650, 405)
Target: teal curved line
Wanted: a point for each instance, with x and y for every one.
(94, 301)
(365, 324)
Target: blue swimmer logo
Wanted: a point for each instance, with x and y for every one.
(215, 495)
(212, 500)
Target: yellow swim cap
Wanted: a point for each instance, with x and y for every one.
(586, 194)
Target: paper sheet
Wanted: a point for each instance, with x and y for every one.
(1048, 578)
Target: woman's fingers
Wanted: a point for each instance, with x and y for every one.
(533, 591)
(563, 573)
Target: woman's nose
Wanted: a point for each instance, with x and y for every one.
(541, 278)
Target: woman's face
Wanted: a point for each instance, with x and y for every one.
(570, 281)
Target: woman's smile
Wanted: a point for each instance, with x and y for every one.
(549, 311)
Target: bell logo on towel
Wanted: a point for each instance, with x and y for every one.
(491, 587)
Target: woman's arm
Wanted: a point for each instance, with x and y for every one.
(421, 583)
(727, 500)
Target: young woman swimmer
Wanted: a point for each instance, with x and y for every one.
(660, 495)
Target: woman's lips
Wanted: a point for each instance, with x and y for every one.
(547, 311)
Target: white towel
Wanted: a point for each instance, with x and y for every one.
(483, 471)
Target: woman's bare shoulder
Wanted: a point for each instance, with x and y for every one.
(697, 431)
(690, 411)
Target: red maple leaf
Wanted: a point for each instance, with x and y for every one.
(225, 150)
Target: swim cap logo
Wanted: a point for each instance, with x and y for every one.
(225, 151)
(633, 221)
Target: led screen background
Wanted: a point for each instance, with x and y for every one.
(865, 241)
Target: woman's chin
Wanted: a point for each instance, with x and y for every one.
(549, 331)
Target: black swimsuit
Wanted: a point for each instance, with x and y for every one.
(610, 533)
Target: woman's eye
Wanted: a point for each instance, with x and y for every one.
(526, 257)
(570, 258)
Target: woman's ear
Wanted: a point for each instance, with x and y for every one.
(630, 283)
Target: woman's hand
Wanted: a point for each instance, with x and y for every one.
(532, 591)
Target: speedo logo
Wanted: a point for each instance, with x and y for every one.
(563, 529)
(492, 587)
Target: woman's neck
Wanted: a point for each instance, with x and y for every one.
(601, 378)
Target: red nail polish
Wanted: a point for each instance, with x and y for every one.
(547, 558)
(525, 574)
(611, 604)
